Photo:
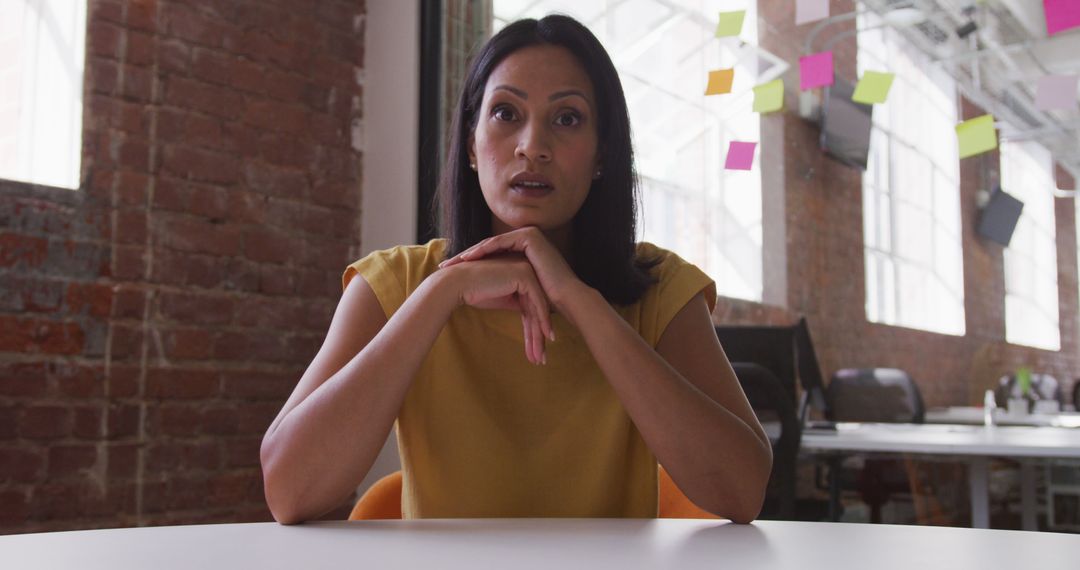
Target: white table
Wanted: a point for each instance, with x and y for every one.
(975, 444)
(971, 415)
(543, 543)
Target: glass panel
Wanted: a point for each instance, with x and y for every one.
(1031, 292)
(41, 88)
(911, 192)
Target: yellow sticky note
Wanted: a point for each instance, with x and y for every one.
(720, 81)
(769, 97)
(730, 24)
(976, 136)
(873, 87)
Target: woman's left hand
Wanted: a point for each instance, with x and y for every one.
(552, 271)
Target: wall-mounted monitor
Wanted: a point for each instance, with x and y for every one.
(845, 126)
(999, 216)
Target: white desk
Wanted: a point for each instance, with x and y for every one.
(543, 544)
(975, 444)
(970, 415)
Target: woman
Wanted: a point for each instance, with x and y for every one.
(621, 366)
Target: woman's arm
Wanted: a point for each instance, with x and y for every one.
(324, 440)
(329, 432)
(685, 400)
(683, 397)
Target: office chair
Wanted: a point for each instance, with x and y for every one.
(886, 395)
(773, 406)
(882, 395)
(768, 360)
(1043, 387)
(383, 500)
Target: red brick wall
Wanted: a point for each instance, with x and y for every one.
(823, 204)
(153, 321)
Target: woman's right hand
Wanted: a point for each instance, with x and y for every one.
(507, 282)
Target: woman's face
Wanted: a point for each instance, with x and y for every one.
(535, 143)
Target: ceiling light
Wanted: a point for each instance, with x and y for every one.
(904, 17)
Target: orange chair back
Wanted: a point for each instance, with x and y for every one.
(383, 501)
(674, 504)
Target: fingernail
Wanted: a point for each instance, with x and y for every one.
(551, 335)
(543, 358)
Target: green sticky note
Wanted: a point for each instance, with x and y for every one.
(730, 24)
(976, 136)
(769, 97)
(873, 87)
(1023, 378)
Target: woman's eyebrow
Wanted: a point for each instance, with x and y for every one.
(567, 93)
(513, 90)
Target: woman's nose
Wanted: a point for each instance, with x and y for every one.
(533, 144)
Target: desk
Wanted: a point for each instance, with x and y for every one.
(543, 544)
(969, 415)
(975, 444)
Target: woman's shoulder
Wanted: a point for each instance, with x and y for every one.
(660, 259)
(408, 264)
(673, 273)
(422, 258)
(433, 249)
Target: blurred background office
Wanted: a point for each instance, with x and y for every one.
(182, 183)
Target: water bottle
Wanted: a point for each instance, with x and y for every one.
(989, 405)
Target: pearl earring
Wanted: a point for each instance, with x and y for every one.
(599, 173)
(472, 165)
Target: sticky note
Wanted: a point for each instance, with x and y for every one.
(873, 87)
(1056, 92)
(720, 81)
(730, 24)
(740, 155)
(811, 11)
(976, 136)
(1061, 15)
(815, 70)
(769, 97)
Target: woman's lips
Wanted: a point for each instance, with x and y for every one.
(531, 191)
(531, 184)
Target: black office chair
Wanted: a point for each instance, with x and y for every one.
(772, 405)
(882, 395)
(886, 395)
(1076, 395)
(767, 361)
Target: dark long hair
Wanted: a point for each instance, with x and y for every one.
(603, 239)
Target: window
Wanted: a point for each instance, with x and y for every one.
(663, 51)
(42, 45)
(1031, 291)
(911, 191)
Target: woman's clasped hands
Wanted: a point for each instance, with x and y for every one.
(518, 270)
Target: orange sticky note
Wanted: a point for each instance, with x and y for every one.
(720, 81)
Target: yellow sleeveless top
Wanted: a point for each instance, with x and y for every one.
(484, 433)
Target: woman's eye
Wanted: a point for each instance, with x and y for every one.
(568, 119)
(503, 114)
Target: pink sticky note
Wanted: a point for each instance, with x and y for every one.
(1061, 15)
(811, 11)
(740, 155)
(815, 70)
(1056, 92)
